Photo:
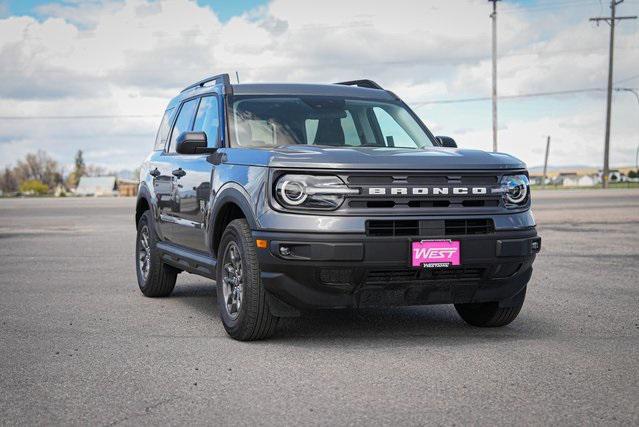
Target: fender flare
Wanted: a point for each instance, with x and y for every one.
(144, 194)
(229, 193)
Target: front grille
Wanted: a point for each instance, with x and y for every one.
(456, 274)
(429, 228)
(394, 191)
(468, 226)
(392, 228)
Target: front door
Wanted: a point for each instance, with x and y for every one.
(191, 175)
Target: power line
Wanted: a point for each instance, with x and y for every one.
(522, 95)
(542, 7)
(342, 64)
(636, 76)
(416, 104)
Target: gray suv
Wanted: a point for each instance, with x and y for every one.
(295, 197)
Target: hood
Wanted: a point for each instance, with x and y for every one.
(316, 157)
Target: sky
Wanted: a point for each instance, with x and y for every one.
(116, 63)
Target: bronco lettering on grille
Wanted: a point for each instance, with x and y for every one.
(424, 191)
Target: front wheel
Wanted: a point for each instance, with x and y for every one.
(241, 297)
(490, 314)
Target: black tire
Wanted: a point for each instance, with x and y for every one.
(490, 314)
(253, 319)
(160, 279)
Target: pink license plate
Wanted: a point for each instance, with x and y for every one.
(435, 253)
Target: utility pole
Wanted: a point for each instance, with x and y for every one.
(543, 183)
(610, 21)
(493, 16)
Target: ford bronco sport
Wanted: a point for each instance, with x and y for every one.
(302, 196)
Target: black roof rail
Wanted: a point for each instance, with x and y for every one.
(361, 83)
(218, 79)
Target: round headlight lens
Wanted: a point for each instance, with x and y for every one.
(516, 188)
(293, 192)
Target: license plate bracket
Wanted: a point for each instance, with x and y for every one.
(439, 253)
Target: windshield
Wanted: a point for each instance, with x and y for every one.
(270, 121)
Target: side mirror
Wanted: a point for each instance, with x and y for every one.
(191, 143)
(446, 141)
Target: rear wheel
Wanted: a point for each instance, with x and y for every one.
(155, 278)
(491, 314)
(240, 295)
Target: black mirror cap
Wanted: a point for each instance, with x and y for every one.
(447, 141)
(191, 143)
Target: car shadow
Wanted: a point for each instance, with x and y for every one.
(406, 326)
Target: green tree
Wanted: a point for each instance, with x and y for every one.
(79, 171)
(34, 186)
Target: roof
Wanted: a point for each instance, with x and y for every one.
(128, 181)
(95, 184)
(288, 89)
(310, 89)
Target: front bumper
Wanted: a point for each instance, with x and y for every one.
(331, 270)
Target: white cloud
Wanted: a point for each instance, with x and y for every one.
(130, 57)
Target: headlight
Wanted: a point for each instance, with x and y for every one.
(311, 192)
(515, 189)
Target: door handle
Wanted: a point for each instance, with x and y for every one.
(179, 172)
(155, 173)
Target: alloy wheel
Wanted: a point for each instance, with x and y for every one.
(144, 252)
(232, 279)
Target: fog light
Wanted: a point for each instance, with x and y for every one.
(285, 251)
(535, 246)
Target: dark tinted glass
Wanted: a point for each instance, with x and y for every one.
(163, 132)
(207, 119)
(270, 121)
(183, 122)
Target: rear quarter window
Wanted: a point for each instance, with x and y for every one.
(163, 131)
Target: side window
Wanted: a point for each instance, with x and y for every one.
(183, 122)
(392, 131)
(207, 119)
(163, 132)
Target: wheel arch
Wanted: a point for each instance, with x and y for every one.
(231, 203)
(143, 203)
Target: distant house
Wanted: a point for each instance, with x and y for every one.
(563, 176)
(128, 187)
(97, 186)
(580, 181)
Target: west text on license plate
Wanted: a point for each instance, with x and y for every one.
(435, 253)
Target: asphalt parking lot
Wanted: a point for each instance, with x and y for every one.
(79, 344)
